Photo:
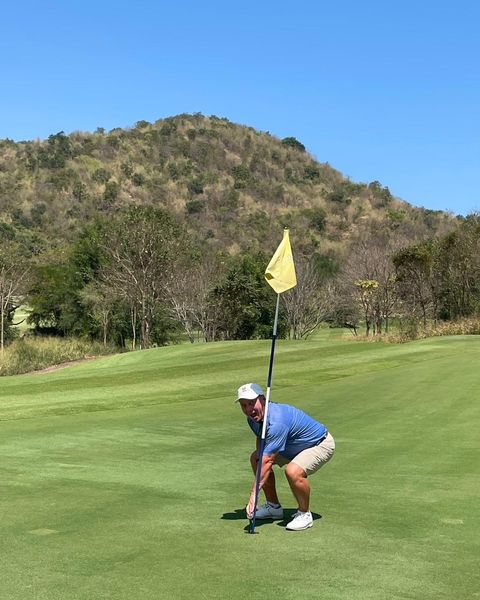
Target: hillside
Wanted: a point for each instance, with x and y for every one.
(232, 185)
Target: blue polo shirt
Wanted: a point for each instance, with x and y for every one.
(289, 430)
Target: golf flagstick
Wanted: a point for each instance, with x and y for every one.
(265, 417)
(280, 275)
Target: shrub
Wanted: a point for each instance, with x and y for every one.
(138, 179)
(111, 192)
(101, 175)
(312, 172)
(7, 232)
(194, 206)
(292, 142)
(411, 329)
(195, 186)
(317, 217)
(33, 354)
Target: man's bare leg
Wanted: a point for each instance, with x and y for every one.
(297, 479)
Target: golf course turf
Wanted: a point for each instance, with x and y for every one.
(126, 477)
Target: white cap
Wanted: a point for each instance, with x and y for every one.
(249, 391)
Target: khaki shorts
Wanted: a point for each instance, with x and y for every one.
(312, 458)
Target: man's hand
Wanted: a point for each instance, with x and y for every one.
(250, 506)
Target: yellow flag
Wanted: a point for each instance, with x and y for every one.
(280, 273)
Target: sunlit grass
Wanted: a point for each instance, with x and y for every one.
(126, 477)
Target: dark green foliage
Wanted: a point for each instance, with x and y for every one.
(88, 146)
(111, 192)
(195, 186)
(395, 217)
(101, 175)
(58, 150)
(20, 219)
(62, 179)
(113, 141)
(127, 169)
(275, 154)
(317, 217)
(138, 179)
(242, 176)
(165, 329)
(312, 172)
(53, 300)
(380, 193)
(142, 124)
(7, 232)
(292, 142)
(258, 221)
(79, 191)
(339, 195)
(327, 265)
(194, 206)
(173, 171)
(232, 199)
(245, 305)
(168, 128)
(37, 212)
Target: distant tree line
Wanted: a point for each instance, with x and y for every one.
(437, 279)
(138, 278)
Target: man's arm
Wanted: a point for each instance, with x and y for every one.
(268, 461)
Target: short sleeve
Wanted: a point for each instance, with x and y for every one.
(276, 439)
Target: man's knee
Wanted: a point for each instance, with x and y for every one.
(294, 472)
(254, 460)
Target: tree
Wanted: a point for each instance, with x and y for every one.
(97, 297)
(418, 279)
(367, 292)
(293, 143)
(243, 304)
(309, 302)
(188, 295)
(57, 281)
(369, 277)
(142, 246)
(14, 274)
(459, 270)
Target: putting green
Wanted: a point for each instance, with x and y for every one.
(126, 477)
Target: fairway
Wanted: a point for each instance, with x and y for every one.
(126, 477)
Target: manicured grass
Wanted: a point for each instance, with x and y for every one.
(126, 477)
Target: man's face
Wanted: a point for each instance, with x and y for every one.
(253, 408)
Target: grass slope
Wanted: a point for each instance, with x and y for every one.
(126, 477)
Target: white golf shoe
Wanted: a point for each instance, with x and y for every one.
(267, 511)
(301, 520)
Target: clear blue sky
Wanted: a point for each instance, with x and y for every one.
(386, 91)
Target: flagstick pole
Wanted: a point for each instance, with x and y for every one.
(265, 415)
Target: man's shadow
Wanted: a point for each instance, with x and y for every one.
(239, 514)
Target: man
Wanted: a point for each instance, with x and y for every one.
(294, 440)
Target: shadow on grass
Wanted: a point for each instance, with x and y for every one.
(239, 515)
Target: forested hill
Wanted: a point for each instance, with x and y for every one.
(234, 187)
